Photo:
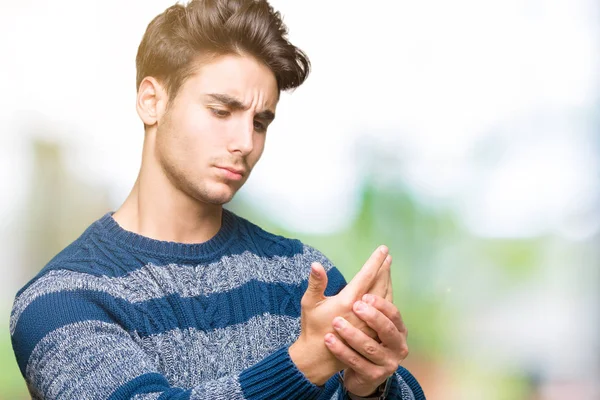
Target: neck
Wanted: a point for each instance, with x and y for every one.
(158, 210)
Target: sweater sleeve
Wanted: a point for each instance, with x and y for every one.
(76, 345)
(403, 386)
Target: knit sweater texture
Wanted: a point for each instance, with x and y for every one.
(117, 315)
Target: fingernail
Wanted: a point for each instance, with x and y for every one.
(383, 249)
(339, 323)
(329, 338)
(313, 270)
(369, 299)
(360, 306)
(388, 259)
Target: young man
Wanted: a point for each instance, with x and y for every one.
(174, 297)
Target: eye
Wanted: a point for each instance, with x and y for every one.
(259, 126)
(220, 113)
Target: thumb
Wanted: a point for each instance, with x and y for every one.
(317, 282)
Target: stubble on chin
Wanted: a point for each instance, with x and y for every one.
(209, 192)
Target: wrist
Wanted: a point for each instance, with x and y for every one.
(379, 393)
(307, 360)
(371, 396)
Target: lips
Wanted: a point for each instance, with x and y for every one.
(231, 173)
(234, 170)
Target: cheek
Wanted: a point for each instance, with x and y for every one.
(199, 133)
(259, 146)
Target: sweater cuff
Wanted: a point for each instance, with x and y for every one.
(396, 390)
(277, 377)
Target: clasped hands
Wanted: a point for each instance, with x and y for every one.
(359, 330)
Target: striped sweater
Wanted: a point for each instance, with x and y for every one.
(117, 315)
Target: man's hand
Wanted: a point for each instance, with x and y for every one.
(309, 352)
(370, 362)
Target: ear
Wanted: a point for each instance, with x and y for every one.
(151, 101)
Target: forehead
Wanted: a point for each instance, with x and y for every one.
(242, 77)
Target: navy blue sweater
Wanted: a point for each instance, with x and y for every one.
(118, 315)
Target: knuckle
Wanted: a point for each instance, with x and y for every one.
(390, 368)
(390, 329)
(404, 351)
(353, 361)
(370, 349)
(304, 302)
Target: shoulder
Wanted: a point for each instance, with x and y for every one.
(274, 245)
(287, 255)
(73, 257)
(73, 269)
(266, 244)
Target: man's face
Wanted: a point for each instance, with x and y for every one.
(214, 130)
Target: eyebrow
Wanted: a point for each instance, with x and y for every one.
(235, 104)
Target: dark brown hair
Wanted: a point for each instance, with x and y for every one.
(204, 29)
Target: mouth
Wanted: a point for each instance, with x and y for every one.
(232, 173)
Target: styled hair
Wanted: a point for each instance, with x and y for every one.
(201, 30)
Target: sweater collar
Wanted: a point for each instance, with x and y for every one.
(112, 231)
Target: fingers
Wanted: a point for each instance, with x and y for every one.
(317, 282)
(371, 374)
(350, 357)
(389, 295)
(382, 281)
(361, 343)
(388, 309)
(388, 332)
(389, 292)
(365, 278)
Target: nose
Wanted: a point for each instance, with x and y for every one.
(242, 140)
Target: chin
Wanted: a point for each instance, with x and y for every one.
(216, 195)
(219, 200)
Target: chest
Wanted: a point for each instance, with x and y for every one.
(195, 327)
(189, 356)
